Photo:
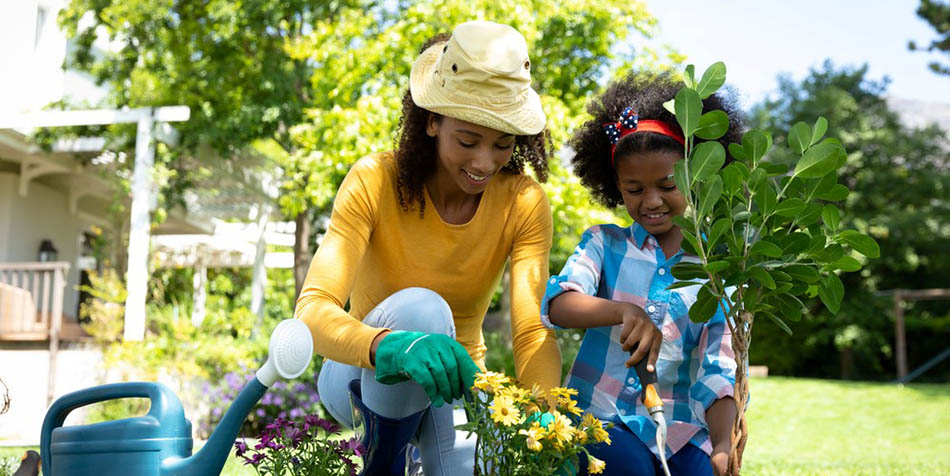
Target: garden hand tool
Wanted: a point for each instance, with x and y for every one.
(159, 443)
(651, 399)
(29, 465)
(435, 361)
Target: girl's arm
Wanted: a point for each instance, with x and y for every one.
(720, 417)
(576, 310)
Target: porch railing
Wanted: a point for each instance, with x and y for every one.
(31, 306)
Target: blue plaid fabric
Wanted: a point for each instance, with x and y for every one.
(696, 364)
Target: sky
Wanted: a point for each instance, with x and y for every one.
(758, 39)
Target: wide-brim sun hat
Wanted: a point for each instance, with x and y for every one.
(482, 75)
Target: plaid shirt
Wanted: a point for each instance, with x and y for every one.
(696, 365)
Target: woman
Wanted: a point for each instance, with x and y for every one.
(417, 244)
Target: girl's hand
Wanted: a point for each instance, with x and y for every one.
(640, 335)
(719, 460)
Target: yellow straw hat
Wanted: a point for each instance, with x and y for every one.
(482, 75)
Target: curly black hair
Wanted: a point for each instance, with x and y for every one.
(416, 151)
(645, 93)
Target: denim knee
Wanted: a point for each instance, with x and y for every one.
(414, 309)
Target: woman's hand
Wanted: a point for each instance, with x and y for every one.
(720, 460)
(639, 335)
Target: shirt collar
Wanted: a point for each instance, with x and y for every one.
(640, 235)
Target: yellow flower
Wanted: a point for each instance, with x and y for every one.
(516, 393)
(504, 411)
(560, 429)
(569, 405)
(601, 435)
(580, 436)
(536, 392)
(591, 423)
(562, 392)
(490, 381)
(534, 436)
(595, 466)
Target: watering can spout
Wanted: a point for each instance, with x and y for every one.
(211, 457)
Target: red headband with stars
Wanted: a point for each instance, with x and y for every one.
(629, 123)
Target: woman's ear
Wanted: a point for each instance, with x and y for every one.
(432, 125)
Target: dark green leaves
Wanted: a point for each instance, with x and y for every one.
(711, 193)
(688, 107)
(818, 161)
(705, 305)
(861, 243)
(831, 292)
(706, 160)
(766, 248)
(712, 125)
(756, 144)
(712, 80)
(799, 138)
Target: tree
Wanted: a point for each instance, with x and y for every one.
(898, 181)
(937, 13)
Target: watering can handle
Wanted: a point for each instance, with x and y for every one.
(164, 403)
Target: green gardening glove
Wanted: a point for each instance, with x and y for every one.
(435, 361)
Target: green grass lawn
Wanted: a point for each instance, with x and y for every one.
(802, 427)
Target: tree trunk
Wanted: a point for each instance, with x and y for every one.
(740, 431)
(302, 253)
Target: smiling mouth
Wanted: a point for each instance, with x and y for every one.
(476, 178)
(655, 216)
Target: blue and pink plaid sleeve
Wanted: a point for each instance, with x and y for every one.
(581, 272)
(716, 375)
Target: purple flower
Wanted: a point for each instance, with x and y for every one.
(240, 448)
(260, 412)
(255, 460)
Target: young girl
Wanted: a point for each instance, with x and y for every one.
(615, 287)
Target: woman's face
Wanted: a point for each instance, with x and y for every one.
(649, 193)
(469, 154)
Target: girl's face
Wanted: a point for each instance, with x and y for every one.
(649, 193)
(469, 154)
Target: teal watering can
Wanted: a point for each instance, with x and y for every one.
(159, 443)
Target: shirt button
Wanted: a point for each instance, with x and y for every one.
(631, 380)
(623, 412)
(661, 271)
(651, 308)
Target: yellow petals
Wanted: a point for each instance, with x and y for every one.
(490, 381)
(561, 429)
(504, 411)
(594, 465)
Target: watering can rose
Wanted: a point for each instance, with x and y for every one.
(528, 432)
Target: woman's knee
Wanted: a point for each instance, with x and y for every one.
(414, 309)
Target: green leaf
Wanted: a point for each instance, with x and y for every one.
(765, 197)
(762, 276)
(706, 160)
(717, 230)
(712, 80)
(846, 263)
(682, 284)
(802, 272)
(766, 248)
(795, 243)
(831, 292)
(679, 176)
(775, 169)
(756, 144)
(861, 243)
(756, 178)
(836, 194)
(688, 109)
(811, 214)
(717, 266)
(705, 306)
(799, 138)
(689, 76)
(779, 322)
(817, 161)
(669, 106)
(738, 152)
(743, 215)
(686, 271)
(713, 125)
(831, 253)
(691, 243)
(732, 179)
(711, 193)
(683, 223)
(821, 126)
(790, 207)
(831, 216)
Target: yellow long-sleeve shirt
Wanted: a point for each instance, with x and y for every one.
(373, 248)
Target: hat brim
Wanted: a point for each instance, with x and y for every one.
(521, 115)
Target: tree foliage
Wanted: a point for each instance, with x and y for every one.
(937, 13)
(898, 182)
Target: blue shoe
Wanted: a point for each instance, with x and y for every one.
(385, 440)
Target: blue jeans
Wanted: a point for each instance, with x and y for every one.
(628, 456)
(444, 452)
